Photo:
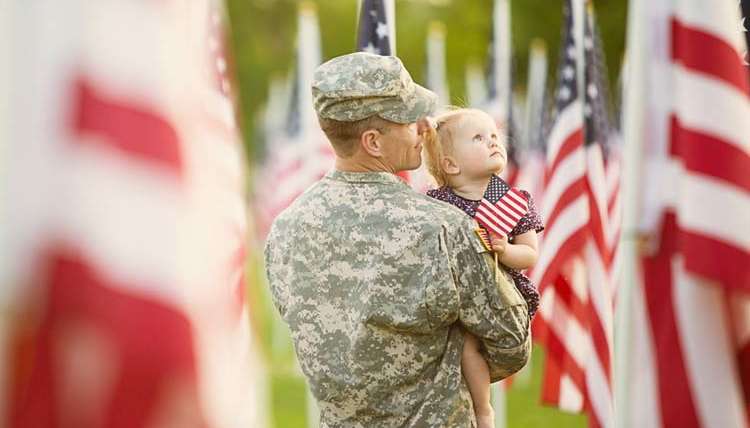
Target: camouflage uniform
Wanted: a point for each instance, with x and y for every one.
(378, 284)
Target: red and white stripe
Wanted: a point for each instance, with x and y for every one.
(690, 313)
(502, 216)
(131, 261)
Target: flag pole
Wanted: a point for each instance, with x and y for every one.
(633, 121)
(390, 14)
(501, 79)
(476, 87)
(436, 76)
(308, 59)
(535, 93)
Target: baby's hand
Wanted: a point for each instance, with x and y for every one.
(499, 242)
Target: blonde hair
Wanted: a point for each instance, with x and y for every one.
(439, 142)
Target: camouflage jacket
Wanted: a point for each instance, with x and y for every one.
(377, 284)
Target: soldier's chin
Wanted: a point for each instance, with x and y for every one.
(414, 165)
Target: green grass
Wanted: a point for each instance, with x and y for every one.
(523, 403)
(288, 391)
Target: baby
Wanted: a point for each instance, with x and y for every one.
(464, 155)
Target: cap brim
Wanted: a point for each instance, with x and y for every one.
(422, 102)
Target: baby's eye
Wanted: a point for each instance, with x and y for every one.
(478, 138)
(494, 136)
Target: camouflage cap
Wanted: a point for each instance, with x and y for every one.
(360, 85)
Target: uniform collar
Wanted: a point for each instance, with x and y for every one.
(365, 177)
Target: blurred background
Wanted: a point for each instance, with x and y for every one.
(264, 34)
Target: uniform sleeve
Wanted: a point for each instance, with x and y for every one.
(531, 220)
(493, 311)
(275, 263)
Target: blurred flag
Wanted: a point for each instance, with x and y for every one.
(376, 27)
(601, 244)
(436, 75)
(531, 172)
(573, 269)
(476, 85)
(377, 35)
(687, 345)
(299, 154)
(500, 98)
(420, 179)
(125, 221)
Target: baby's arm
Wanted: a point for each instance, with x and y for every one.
(521, 254)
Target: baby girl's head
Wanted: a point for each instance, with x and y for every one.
(465, 146)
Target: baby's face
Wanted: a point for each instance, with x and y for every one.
(478, 147)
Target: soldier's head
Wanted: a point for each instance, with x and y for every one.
(371, 110)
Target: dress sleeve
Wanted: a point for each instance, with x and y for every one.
(531, 221)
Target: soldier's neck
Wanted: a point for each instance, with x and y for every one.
(469, 187)
(361, 164)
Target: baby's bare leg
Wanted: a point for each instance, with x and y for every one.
(477, 375)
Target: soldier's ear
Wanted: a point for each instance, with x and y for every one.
(371, 144)
(450, 166)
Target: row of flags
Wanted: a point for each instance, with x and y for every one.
(124, 220)
(643, 267)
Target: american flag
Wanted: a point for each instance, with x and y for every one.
(374, 34)
(530, 175)
(575, 324)
(602, 242)
(500, 100)
(502, 216)
(688, 342)
(129, 240)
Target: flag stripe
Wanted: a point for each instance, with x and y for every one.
(728, 110)
(710, 156)
(710, 208)
(563, 238)
(568, 175)
(567, 125)
(490, 224)
(708, 350)
(676, 403)
(126, 127)
(502, 217)
(713, 258)
(512, 215)
(571, 144)
(572, 193)
(561, 244)
(706, 53)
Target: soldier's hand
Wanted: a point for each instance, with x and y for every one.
(499, 242)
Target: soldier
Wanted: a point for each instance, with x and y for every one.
(377, 282)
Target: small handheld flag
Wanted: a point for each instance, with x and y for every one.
(503, 216)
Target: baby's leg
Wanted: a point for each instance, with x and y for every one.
(477, 375)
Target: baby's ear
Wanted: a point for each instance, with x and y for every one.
(449, 166)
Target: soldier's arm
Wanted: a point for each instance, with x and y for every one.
(493, 311)
(273, 260)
